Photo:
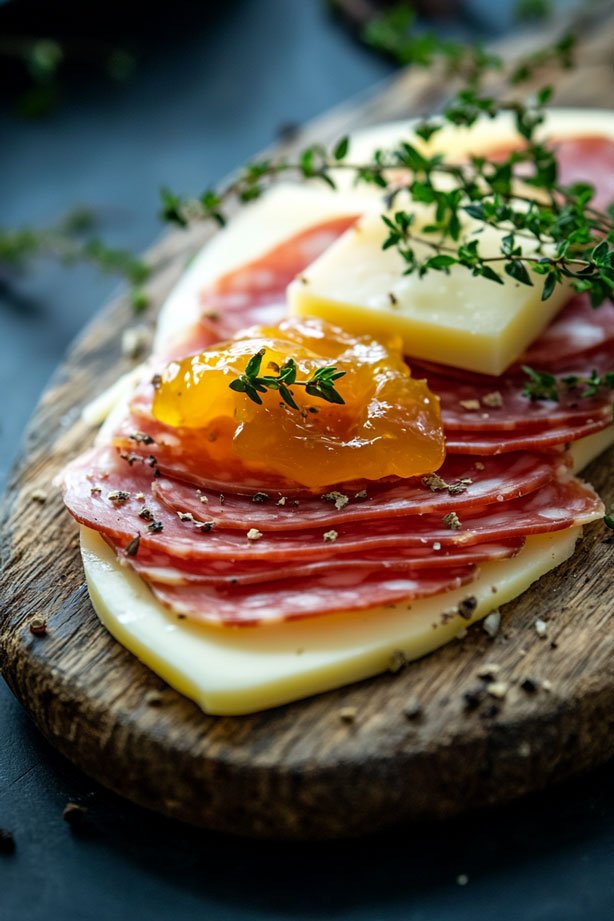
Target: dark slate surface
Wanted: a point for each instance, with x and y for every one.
(206, 96)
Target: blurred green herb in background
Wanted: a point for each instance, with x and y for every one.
(533, 10)
(72, 240)
(39, 61)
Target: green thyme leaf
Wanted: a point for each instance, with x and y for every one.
(252, 369)
(517, 271)
(341, 148)
(321, 384)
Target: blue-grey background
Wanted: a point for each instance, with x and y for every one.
(209, 91)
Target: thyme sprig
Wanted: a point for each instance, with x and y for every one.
(551, 233)
(72, 240)
(394, 33)
(321, 384)
(542, 385)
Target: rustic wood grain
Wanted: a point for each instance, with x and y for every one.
(301, 771)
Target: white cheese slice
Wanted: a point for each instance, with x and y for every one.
(99, 409)
(584, 450)
(232, 671)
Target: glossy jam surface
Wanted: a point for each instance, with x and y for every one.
(389, 423)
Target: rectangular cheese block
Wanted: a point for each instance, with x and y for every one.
(454, 318)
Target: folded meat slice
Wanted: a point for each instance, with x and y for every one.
(119, 503)
(458, 485)
(155, 566)
(255, 293)
(577, 330)
(330, 592)
(501, 406)
(492, 443)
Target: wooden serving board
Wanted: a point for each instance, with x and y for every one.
(301, 770)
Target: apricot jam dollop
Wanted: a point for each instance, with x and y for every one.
(388, 425)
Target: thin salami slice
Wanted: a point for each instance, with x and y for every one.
(578, 328)
(255, 293)
(457, 486)
(165, 450)
(106, 499)
(300, 598)
(469, 406)
(588, 159)
(492, 443)
(160, 567)
(580, 159)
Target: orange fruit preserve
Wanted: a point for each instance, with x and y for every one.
(388, 424)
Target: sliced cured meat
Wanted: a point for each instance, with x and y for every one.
(500, 406)
(584, 363)
(490, 415)
(458, 485)
(577, 329)
(178, 452)
(300, 598)
(492, 443)
(588, 159)
(106, 499)
(580, 159)
(255, 293)
(160, 567)
(170, 450)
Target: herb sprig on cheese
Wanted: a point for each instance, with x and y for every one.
(551, 233)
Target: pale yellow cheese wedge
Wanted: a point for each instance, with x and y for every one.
(232, 671)
(456, 319)
(451, 318)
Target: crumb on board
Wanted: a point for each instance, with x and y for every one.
(38, 626)
(413, 710)
(488, 671)
(498, 689)
(39, 495)
(348, 714)
(153, 698)
(135, 341)
(491, 623)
